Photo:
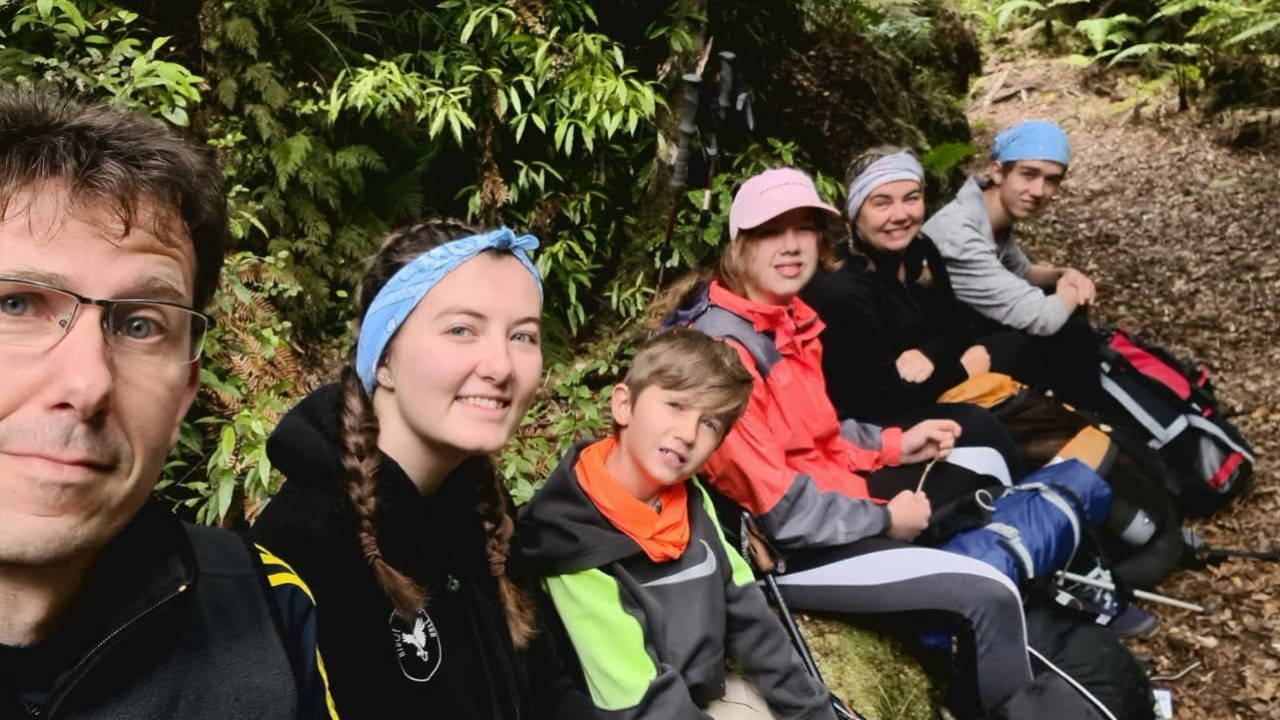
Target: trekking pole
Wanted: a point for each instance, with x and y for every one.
(711, 142)
(774, 593)
(792, 628)
(1204, 554)
(806, 657)
(724, 99)
(1140, 594)
(680, 172)
(1213, 554)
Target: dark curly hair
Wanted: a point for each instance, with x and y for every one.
(108, 156)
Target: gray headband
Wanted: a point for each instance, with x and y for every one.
(890, 168)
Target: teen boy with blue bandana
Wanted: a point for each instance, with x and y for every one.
(974, 233)
(1051, 342)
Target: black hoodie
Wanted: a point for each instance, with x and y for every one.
(652, 637)
(872, 317)
(456, 659)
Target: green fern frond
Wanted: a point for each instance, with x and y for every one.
(263, 77)
(241, 33)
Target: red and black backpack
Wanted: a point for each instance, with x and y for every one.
(1169, 404)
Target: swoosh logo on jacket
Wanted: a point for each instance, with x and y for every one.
(701, 570)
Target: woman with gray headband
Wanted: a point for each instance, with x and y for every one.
(896, 337)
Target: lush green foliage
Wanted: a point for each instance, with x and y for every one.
(996, 21)
(249, 383)
(1193, 42)
(54, 42)
(340, 119)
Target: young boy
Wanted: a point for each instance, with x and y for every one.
(650, 594)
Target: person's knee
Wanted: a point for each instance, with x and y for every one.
(978, 593)
(979, 426)
(997, 609)
(983, 461)
(968, 414)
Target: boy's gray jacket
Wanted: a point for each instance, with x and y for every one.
(986, 273)
(652, 637)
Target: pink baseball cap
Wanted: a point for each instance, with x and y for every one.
(773, 192)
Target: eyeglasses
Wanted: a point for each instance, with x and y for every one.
(36, 315)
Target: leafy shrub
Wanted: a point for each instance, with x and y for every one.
(52, 43)
(1232, 47)
(337, 120)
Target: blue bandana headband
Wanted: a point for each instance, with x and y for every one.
(411, 283)
(890, 168)
(1032, 140)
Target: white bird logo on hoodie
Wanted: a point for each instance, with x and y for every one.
(417, 644)
(418, 638)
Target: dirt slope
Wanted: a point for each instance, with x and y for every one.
(1183, 238)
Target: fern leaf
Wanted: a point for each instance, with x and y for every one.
(1261, 28)
(241, 33)
(1009, 9)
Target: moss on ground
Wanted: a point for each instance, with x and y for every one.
(870, 671)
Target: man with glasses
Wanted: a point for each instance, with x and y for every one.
(111, 238)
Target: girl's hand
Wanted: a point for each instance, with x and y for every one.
(914, 367)
(976, 360)
(908, 515)
(929, 439)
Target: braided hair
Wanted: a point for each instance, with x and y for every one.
(362, 459)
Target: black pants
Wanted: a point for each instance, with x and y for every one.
(979, 427)
(947, 482)
(1067, 361)
(880, 579)
(952, 489)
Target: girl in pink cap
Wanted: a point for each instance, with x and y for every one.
(839, 501)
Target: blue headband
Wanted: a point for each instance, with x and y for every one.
(411, 283)
(890, 168)
(1032, 140)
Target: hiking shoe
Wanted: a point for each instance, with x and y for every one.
(1134, 622)
(1104, 604)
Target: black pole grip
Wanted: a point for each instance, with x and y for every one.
(688, 126)
(725, 99)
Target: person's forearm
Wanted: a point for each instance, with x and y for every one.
(1043, 276)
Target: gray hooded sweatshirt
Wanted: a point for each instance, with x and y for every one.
(987, 273)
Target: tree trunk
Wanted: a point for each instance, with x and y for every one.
(659, 196)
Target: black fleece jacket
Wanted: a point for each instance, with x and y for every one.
(174, 621)
(872, 317)
(456, 659)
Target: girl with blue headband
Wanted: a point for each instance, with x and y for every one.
(392, 511)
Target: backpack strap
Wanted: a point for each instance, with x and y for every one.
(230, 556)
(721, 323)
(221, 551)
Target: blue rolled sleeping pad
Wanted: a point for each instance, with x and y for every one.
(1036, 526)
(1035, 529)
